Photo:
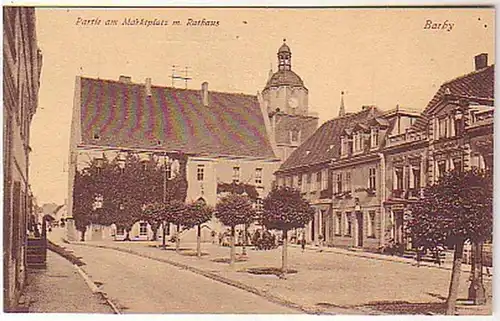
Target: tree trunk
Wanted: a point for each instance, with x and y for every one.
(244, 248)
(284, 254)
(178, 239)
(455, 278)
(232, 254)
(127, 236)
(163, 241)
(155, 232)
(198, 241)
(476, 288)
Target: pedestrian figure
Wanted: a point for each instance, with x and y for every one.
(419, 255)
(303, 243)
(436, 255)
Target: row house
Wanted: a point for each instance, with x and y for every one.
(210, 137)
(363, 171)
(22, 63)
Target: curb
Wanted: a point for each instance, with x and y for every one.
(76, 264)
(215, 277)
(381, 257)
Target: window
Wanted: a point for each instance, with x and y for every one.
(97, 136)
(398, 173)
(372, 179)
(347, 182)
(168, 169)
(343, 147)
(295, 136)
(318, 181)
(374, 138)
(200, 173)
(299, 182)
(474, 161)
(288, 181)
(416, 177)
(443, 128)
(120, 230)
(295, 182)
(303, 187)
(258, 176)
(441, 168)
(358, 142)
(143, 229)
(371, 224)
(259, 205)
(339, 183)
(308, 182)
(348, 224)
(324, 179)
(236, 174)
(338, 223)
(457, 164)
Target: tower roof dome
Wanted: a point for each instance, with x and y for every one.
(284, 47)
(284, 78)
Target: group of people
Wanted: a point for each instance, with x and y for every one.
(260, 239)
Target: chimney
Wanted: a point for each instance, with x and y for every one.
(481, 61)
(148, 87)
(125, 79)
(204, 93)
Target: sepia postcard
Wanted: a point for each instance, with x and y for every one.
(248, 160)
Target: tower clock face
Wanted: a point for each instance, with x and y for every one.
(293, 102)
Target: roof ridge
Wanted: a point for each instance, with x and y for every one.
(474, 72)
(167, 87)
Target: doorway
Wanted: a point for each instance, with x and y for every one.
(398, 227)
(359, 219)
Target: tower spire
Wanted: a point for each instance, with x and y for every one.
(284, 57)
(270, 71)
(342, 107)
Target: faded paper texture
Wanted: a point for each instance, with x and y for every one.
(248, 160)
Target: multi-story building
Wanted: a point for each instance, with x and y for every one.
(225, 136)
(339, 170)
(363, 171)
(22, 62)
(286, 99)
(455, 131)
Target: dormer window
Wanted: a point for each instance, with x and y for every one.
(345, 146)
(358, 142)
(374, 137)
(295, 136)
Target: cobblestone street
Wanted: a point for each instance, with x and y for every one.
(326, 282)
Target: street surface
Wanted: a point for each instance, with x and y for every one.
(61, 289)
(141, 285)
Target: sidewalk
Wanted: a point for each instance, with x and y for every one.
(60, 289)
(333, 281)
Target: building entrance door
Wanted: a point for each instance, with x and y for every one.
(359, 219)
(398, 227)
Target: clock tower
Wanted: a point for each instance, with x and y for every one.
(285, 98)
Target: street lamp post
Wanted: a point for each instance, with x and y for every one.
(164, 246)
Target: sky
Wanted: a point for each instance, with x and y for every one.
(377, 56)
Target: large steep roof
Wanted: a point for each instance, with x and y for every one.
(119, 114)
(324, 144)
